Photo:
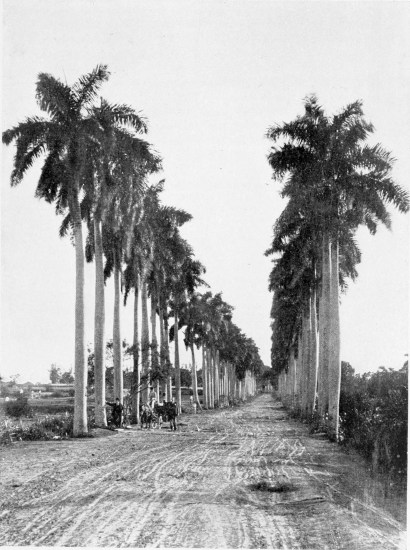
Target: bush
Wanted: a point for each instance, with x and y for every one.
(50, 428)
(18, 408)
(373, 417)
(44, 430)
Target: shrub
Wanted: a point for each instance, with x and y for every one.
(60, 426)
(47, 429)
(41, 430)
(18, 408)
(373, 417)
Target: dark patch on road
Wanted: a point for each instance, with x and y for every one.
(277, 488)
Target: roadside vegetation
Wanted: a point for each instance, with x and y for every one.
(52, 427)
(374, 417)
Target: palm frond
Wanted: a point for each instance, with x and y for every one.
(123, 114)
(24, 160)
(54, 97)
(66, 226)
(86, 88)
(53, 177)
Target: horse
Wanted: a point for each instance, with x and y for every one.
(148, 416)
(167, 412)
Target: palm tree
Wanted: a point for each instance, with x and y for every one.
(191, 317)
(63, 138)
(117, 167)
(122, 214)
(165, 223)
(349, 184)
(185, 277)
(149, 265)
(131, 159)
(242, 356)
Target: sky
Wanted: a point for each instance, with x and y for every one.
(211, 77)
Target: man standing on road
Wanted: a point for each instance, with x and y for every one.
(117, 409)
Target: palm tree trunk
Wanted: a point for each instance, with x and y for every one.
(154, 341)
(232, 382)
(210, 377)
(308, 354)
(162, 356)
(167, 356)
(99, 330)
(204, 379)
(80, 425)
(334, 344)
(305, 362)
(226, 382)
(116, 342)
(136, 375)
(176, 363)
(217, 379)
(324, 320)
(293, 375)
(299, 376)
(313, 362)
(144, 341)
(194, 378)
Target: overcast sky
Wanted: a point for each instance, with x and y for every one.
(211, 77)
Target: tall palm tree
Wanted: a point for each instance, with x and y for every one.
(63, 137)
(149, 265)
(186, 278)
(121, 215)
(128, 161)
(118, 164)
(191, 318)
(166, 224)
(349, 183)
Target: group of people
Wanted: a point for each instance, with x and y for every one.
(118, 408)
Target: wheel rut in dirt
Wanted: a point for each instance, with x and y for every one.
(248, 477)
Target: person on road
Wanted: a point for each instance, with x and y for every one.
(117, 409)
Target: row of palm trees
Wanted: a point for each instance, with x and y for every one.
(334, 182)
(230, 360)
(96, 168)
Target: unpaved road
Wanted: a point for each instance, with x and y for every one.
(248, 477)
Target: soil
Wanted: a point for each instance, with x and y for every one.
(246, 477)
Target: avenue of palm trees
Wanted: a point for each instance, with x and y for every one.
(334, 182)
(96, 167)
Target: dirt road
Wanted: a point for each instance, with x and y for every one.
(248, 477)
